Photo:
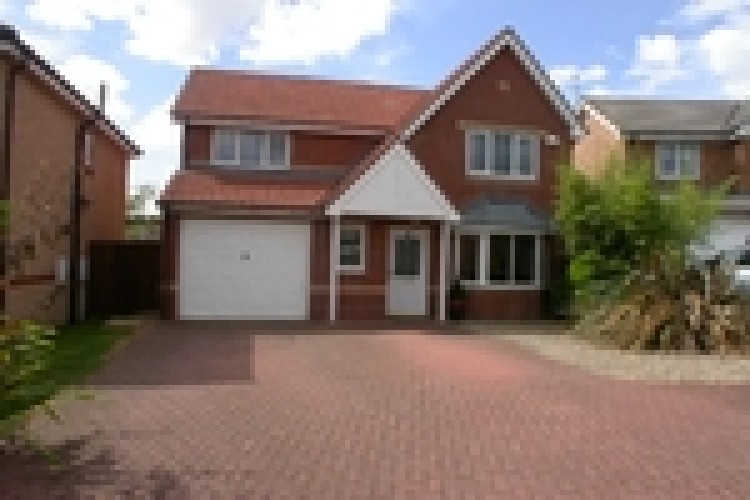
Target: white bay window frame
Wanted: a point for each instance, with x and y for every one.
(482, 279)
(265, 154)
(515, 155)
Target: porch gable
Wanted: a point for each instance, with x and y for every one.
(394, 186)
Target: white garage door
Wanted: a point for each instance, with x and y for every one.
(244, 270)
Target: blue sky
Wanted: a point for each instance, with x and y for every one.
(144, 48)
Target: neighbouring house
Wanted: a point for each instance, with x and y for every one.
(706, 141)
(53, 143)
(306, 198)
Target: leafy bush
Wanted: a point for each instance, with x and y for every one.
(26, 351)
(614, 222)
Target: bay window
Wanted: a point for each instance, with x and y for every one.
(499, 260)
(510, 155)
(250, 149)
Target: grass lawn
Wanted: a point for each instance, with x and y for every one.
(78, 350)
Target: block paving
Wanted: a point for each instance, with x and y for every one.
(187, 411)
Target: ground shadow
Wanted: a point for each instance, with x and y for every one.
(165, 355)
(76, 468)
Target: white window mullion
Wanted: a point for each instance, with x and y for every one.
(489, 151)
(483, 253)
(515, 148)
(237, 147)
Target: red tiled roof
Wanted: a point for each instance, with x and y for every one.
(211, 93)
(233, 189)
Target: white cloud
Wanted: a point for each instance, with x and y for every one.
(79, 14)
(155, 130)
(192, 32)
(571, 74)
(53, 47)
(698, 10)
(725, 52)
(307, 30)
(86, 73)
(160, 139)
(658, 61)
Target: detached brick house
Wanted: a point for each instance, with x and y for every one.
(301, 198)
(48, 131)
(706, 141)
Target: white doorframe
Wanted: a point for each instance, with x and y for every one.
(409, 296)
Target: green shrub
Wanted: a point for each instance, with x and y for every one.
(26, 351)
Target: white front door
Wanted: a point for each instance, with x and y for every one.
(407, 283)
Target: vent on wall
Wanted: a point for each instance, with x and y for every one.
(502, 85)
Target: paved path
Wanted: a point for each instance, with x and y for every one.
(188, 413)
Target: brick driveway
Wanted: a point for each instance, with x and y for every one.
(184, 412)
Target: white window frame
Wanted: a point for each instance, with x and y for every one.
(362, 266)
(265, 163)
(681, 147)
(515, 163)
(483, 269)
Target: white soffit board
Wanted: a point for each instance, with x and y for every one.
(396, 186)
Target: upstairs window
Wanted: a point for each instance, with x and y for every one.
(678, 160)
(251, 149)
(502, 154)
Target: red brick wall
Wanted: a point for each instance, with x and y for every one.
(170, 264)
(502, 94)
(308, 149)
(41, 156)
(594, 148)
(106, 189)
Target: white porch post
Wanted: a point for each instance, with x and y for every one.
(333, 277)
(445, 232)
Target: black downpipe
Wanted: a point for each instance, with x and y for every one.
(76, 208)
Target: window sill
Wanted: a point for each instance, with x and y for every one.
(351, 269)
(475, 285)
(500, 177)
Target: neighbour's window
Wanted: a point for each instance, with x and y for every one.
(510, 260)
(678, 160)
(503, 154)
(253, 150)
(351, 248)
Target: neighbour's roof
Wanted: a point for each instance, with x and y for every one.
(226, 94)
(10, 41)
(503, 212)
(668, 115)
(238, 189)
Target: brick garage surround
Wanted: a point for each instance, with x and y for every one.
(363, 295)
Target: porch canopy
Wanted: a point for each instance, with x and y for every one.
(500, 213)
(391, 184)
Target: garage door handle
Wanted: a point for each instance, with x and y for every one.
(245, 256)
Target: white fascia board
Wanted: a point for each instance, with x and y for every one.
(441, 208)
(540, 77)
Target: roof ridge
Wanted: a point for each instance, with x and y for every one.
(296, 77)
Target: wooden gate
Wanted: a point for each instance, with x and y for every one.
(123, 278)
